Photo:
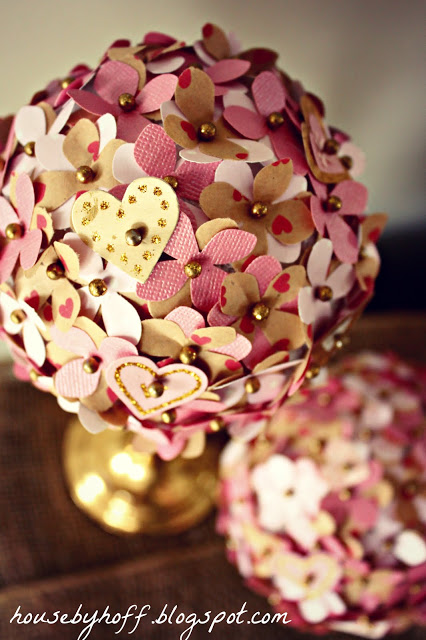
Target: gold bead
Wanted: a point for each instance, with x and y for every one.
(127, 102)
(275, 120)
(34, 376)
(91, 365)
(260, 311)
(347, 162)
(206, 131)
(324, 293)
(134, 237)
(258, 210)
(168, 416)
(55, 271)
(172, 181)
(18, 316)
(331, 146)
(312, 372)
(333, 203)
(29, 148)
(98, 287)
(252, 385)
(187, 355)
(217, 424)
(84, 174)
(66, 82)
(344, 495)
(156, 389)
(193, 269)
(13, 231)
(341, 341)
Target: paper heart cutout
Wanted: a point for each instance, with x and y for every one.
(101, 221)
(201, 340)
(281, 224)
(65, 310)
(129, 378)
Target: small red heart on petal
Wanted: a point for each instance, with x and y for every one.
(185, 79)
(242, 156)
(189, 130)
(281, 225)
(207, 30)
(33, 300)
(222, 296)
(41, 222)
(237, 195)
(248, 261)
(39, 191)
(374, 235)
(282, 345)
(282, 285)
(232, 365)
(200, 339)
(93, 148)
(246, 325)
(282, 161)
(65, 310)
(48, 315)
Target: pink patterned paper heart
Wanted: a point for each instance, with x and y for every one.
(129, 378)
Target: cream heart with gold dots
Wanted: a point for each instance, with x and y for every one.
(131, 234)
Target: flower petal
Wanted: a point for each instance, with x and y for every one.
(268, 93)
(155, 151)
(166, 279)
(195, 96)
(114, 78)
(251, 125)
(34, 344)
(155, 92)
(121, 318)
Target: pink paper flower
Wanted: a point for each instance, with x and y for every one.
(114, 79)
(73, 380)
(195, 265)
(267, 119)
(318, 302)
(21, 242)
(154, 154)
(289, 495)
(348, 198)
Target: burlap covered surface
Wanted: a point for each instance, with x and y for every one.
(53, 558)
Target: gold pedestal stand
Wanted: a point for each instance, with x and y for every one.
(128, 492)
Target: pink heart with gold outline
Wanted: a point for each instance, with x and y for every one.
(130, 378)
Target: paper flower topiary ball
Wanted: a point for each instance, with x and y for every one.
(182, 238)
(326, 515)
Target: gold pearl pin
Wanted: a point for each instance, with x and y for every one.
(313, 372)
(193, 269)
(217, 424)
(91, 365)
(260, 311)
(18, 316)
(98, 287)
(331, 146)
(134, 237)
(13, 231)
(29, 148)
(324, 293)
(347, 162)
(127, 102)
(258, 210)
(252, 385)
(66, 82)
(156, 389)
(206, 131)
(55, 271)
(168, 417)
(84, 174)
(333, 203)
(187, 355)
(275, 120)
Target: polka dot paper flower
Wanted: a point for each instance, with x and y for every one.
(179, 203)
(318, 519)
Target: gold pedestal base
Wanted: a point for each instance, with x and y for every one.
(129, 492)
